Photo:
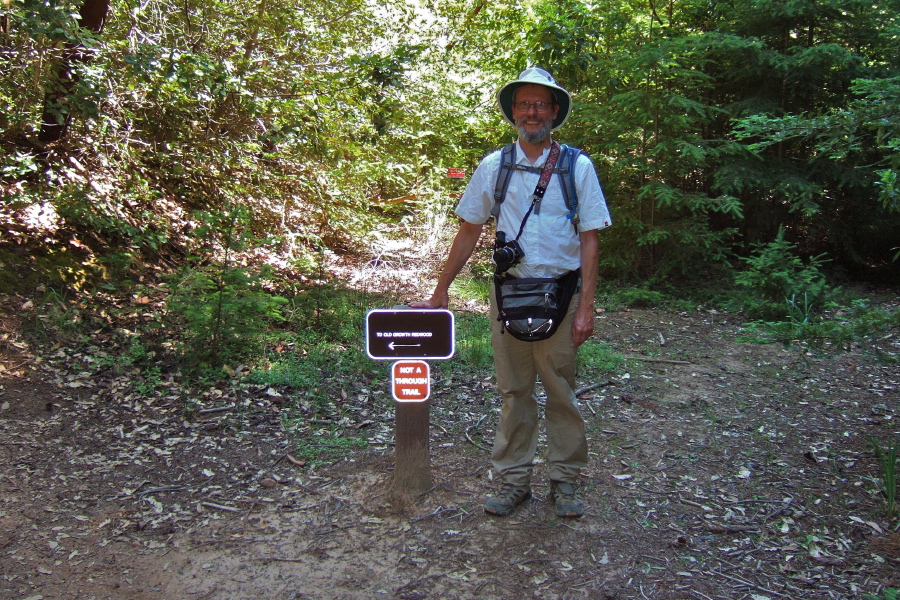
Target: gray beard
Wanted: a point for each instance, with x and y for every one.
(537, 137)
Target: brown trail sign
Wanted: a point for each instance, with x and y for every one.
(403, 335)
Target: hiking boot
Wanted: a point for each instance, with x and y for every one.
(568, 502)
(506, 500)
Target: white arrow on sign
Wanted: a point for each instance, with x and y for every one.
(393, 345)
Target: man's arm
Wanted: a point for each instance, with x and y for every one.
(460, 251)
(583, 323)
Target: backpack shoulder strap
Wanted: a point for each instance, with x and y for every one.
(565, 169)
(507, 166)
(568, 158)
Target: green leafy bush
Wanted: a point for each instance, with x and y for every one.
(613, 296)
(222, 310)
(776, 274)
(887, 459)
(473, 340)
(595, 358)
(221, 307)
(327, 312)
(843, 327)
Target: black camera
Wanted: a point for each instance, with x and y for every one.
(506, 254)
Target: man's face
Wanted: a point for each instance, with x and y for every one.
(534, 124)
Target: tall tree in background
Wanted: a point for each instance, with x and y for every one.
(57, 111)
(712, 125)
(645, 114)
(4, 17)
(658, 92)
(806, 106)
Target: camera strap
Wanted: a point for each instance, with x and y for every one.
(541, 187)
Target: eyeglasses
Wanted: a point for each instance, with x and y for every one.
(539, 106)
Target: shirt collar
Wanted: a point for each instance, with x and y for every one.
(522, 159)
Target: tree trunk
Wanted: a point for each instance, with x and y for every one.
(56, 114)
(4, 18)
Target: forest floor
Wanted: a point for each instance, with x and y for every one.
(719, 469)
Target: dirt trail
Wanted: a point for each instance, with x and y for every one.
(718, 470)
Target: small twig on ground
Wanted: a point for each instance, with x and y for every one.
(661, 459)
(593, 386)
(333, 529)
(218, 409)
(717, 528)
(774, 514)
(294, 461)
(445, 486)
(255, 501)
(220, 507)
(434, 513)
(747, 583)
(471, 441)
(205, 595)
(589, 582)
(428, 491)
(165, 488)
(276, 559)
(531, 560)
(12, 368)
(415, 582)
(662, 492)
(752, 502)
(659, 360)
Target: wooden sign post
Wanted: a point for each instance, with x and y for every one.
(411, 388)
(407, 335)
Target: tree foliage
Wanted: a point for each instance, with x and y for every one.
(714, 127)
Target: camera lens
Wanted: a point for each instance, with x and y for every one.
(504, 256)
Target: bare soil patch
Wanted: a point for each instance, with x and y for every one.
(719, 470)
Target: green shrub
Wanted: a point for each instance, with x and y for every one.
(309, 368)
(476, 288)
(221, 311)
(887, 460)
(327, 312)
(641, 298)
(776, 274)
(596, 358)
(317, 450)
(473, 340)
(846, 325)
(220, 307)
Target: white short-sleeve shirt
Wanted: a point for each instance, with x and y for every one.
(550, 242)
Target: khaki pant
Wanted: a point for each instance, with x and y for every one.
(518, 364)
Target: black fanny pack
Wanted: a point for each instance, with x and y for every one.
(531, 309)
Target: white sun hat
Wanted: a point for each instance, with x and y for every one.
(537, 76)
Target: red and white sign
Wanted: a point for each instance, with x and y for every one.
(456, 173)
(410, 381)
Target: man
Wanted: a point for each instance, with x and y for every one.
(536, 106)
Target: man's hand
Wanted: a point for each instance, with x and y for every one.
(582, 324)
(460, 250)
(438, 300)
